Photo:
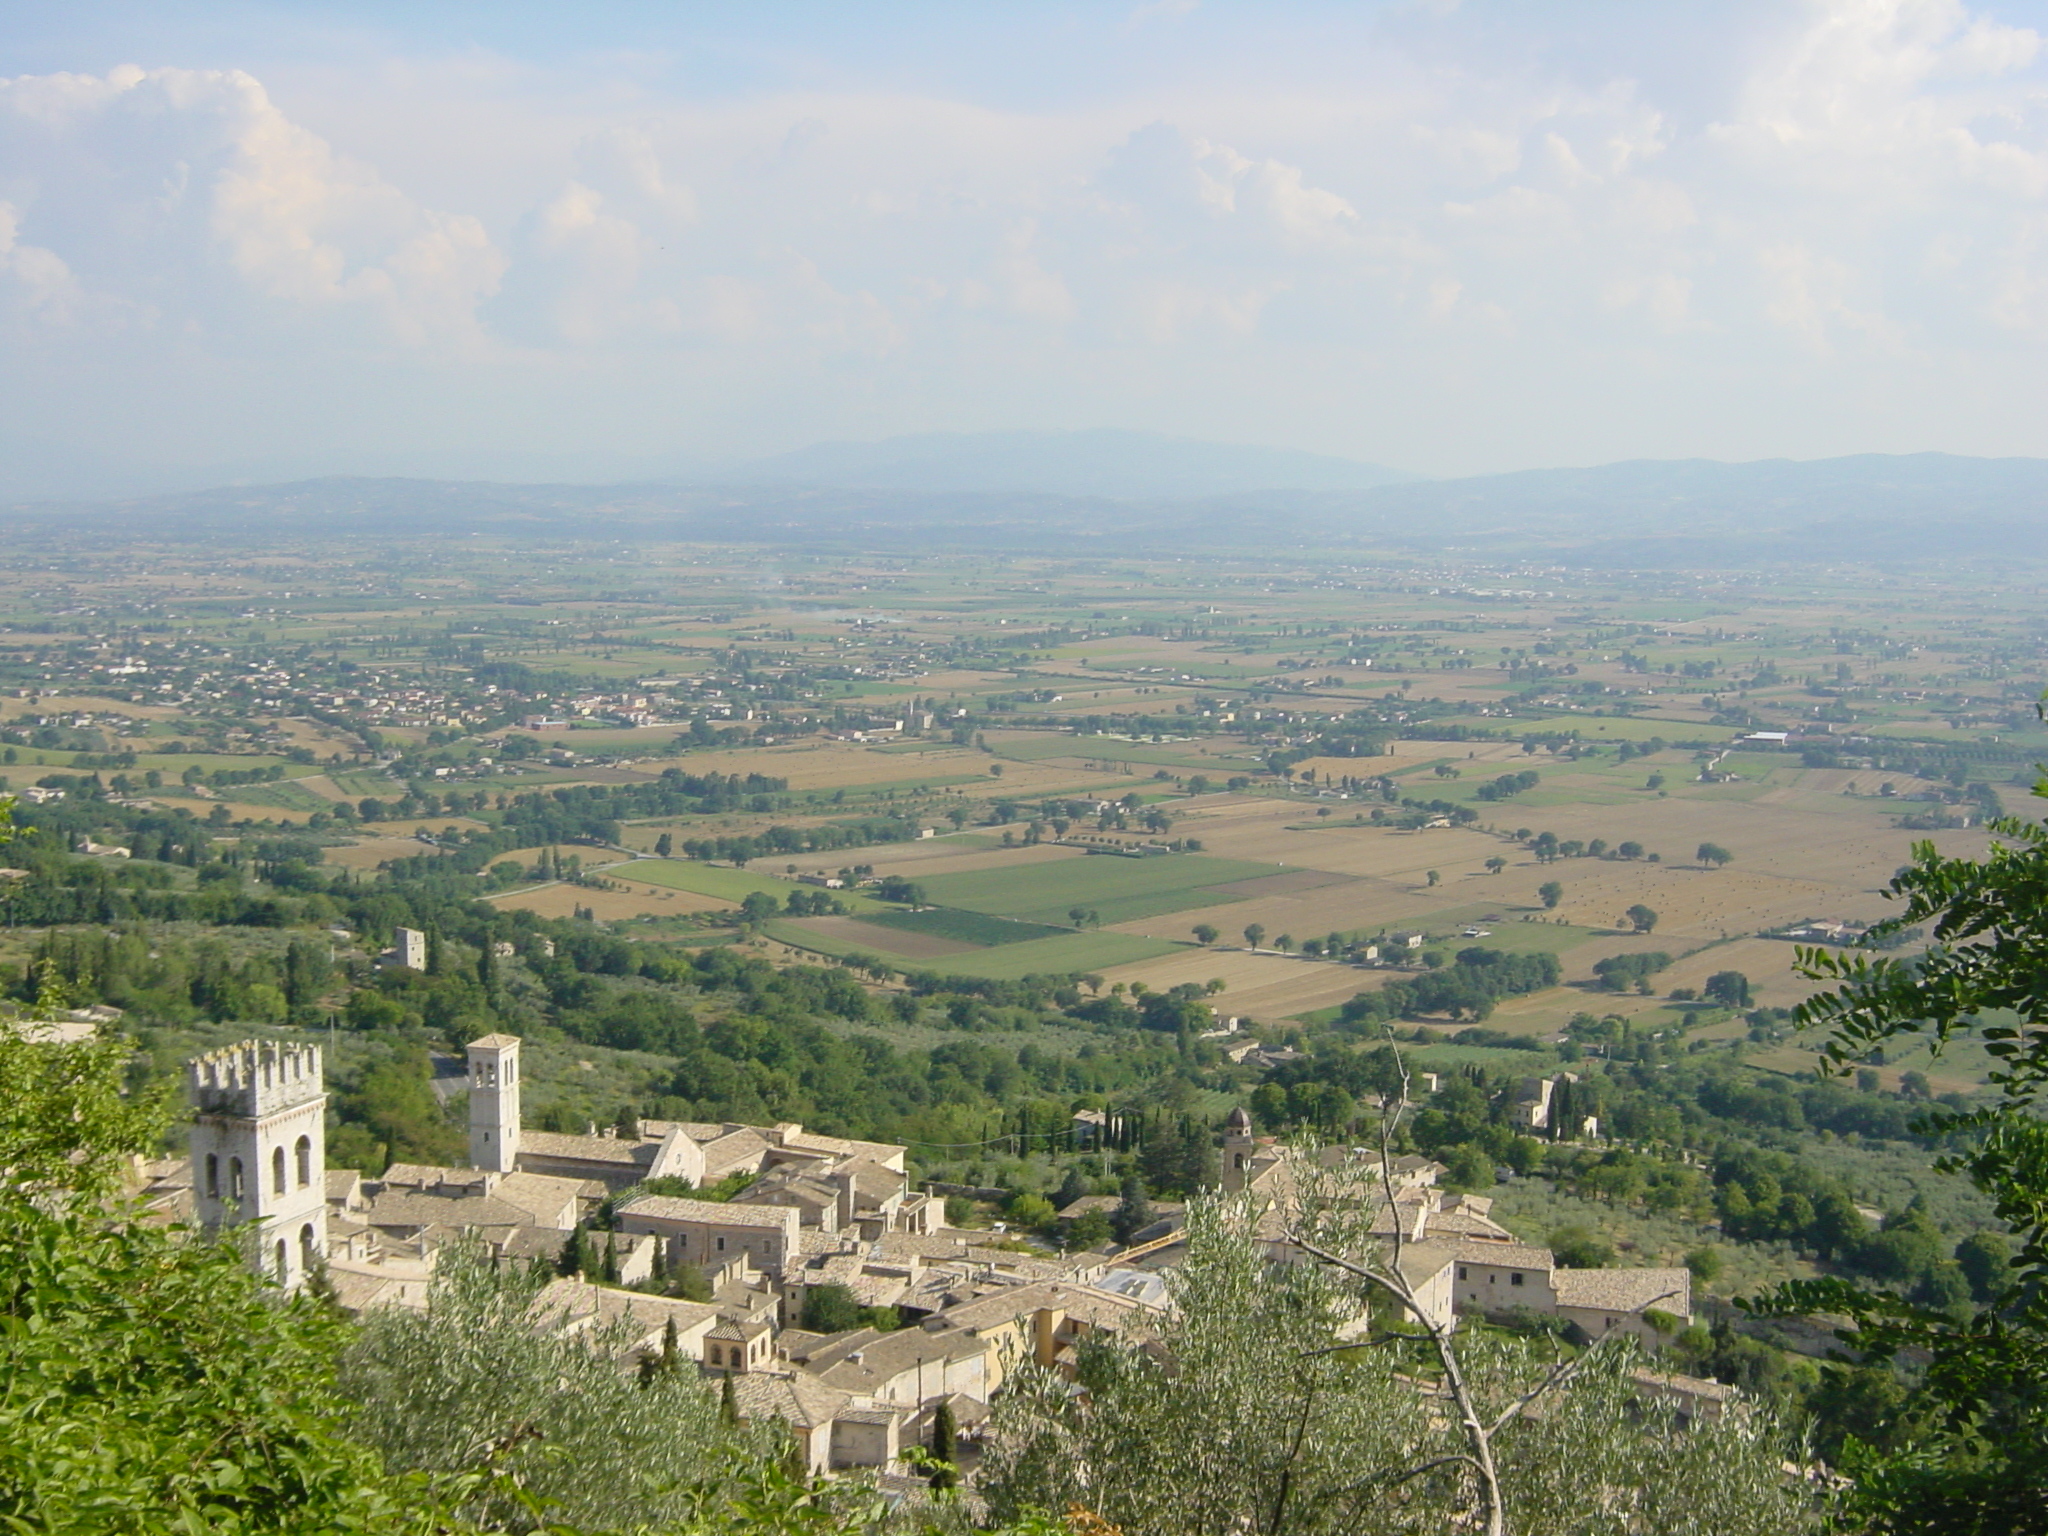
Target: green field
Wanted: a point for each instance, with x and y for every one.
(1063, 954)
(1070, 953)
(725, 882)
(1045, 892)
(967, 927)
(283, 794)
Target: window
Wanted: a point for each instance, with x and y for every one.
(277, 1170)
(1515, 1278)
(235, 1179)
(305, 1153)
(1464, 1273)
(721, 1245)
(283, 1274)
(307, 1252)
(213, 1175)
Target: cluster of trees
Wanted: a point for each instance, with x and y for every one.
(1619, 973)
(1508, 785)
(759, 906)
(1468, 988)
(170, 981)
(781, 841)
(1764, 1196)
(1549, 848)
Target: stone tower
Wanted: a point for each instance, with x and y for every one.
(494, 1102)
(259, 1151)
(1238, 1147)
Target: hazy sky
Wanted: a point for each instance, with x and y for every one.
(596, 240)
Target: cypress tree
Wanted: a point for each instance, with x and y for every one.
(609, 1273)
(728, 1405)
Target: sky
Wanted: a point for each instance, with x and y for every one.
(537, 241)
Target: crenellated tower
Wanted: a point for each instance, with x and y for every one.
(259, 1151)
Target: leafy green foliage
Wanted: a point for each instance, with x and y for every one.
(1980, 1463)
(1260, 1424)
(149, 1382)
(1467, 988)
(472, 1384)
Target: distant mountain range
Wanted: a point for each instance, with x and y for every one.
(1135, 493)
(1129, 466)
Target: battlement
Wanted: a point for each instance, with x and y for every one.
(254, 1079)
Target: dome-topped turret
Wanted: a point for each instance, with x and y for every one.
(1237, 1120)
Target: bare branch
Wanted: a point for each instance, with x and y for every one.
(1478, 1436)
(1393, 1479)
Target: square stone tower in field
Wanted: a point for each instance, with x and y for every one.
(259, 1151)
(494, 1103)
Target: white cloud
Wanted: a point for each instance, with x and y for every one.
(168, 174)
(33, 278)
(1432, 237)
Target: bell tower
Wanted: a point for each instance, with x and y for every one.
(259, 1152)
(494, 1103)
(1238, 1147)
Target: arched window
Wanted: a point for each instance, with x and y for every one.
(307, 1253)
(235, 1179)
(277, 1170)
(283, 1274)
(213, 1175)
(305, 1151)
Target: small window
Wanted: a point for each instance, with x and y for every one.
(213, 1175)
(305, 1155)
(1464, 1273)
(277, 1170)
(235, 1179)
(721, 1245)
(1515, 1279)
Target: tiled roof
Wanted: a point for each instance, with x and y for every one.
(718, 1213)
(1684, 1386)
(799, 1399)
(1625, 1290)
(1503, 1255)
(587, 1149)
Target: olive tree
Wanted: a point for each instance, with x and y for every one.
(1287, 1400)
(473, 1382)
